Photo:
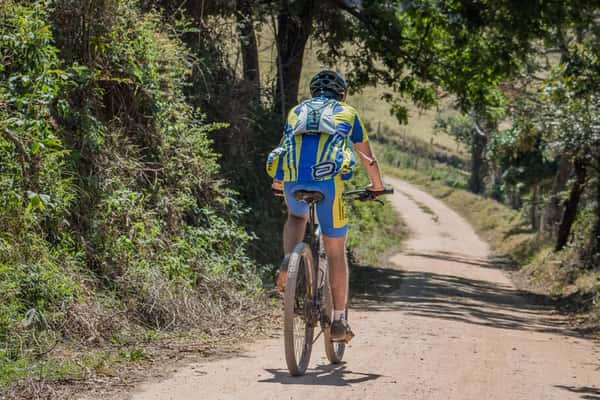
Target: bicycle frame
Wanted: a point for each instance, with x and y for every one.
(315, 236)
(315, 242)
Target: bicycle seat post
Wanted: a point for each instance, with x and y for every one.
(311, 223)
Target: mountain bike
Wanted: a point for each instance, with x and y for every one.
(308, 300)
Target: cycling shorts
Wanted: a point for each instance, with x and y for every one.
(330, 211)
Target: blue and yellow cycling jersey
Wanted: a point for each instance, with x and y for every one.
(317, 142)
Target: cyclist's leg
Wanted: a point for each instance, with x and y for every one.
(293, 230)
(338, 271)
(334, 225)
(295, 226)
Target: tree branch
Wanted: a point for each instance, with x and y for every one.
(343, 5)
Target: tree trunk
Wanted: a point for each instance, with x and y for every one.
(571, 204)
(497, 181)
(249, 47)
(294, 28)
(551, 213)
(478, 165)
(595, 238)
(533, 208)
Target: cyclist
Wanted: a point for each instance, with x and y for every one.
(316, 153)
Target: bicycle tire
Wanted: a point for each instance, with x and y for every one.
(333, 350)
(298, 330)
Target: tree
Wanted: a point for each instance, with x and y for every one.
(294, 26)
(249, 47)
(564, 114)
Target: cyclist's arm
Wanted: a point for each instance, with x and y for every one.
(370, 164)
(362, 147)
(277, 186)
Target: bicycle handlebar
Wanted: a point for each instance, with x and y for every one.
(365, 194)
(361, 195)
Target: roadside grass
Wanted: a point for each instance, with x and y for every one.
(423, 164)
(121, 361)
(535, 266)
(68, 366)
(374, 229)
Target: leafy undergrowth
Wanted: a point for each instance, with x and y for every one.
(537, 267)
(115, 222)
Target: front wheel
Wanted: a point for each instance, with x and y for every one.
(298, 324)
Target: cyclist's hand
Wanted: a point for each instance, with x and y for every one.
(277, 188)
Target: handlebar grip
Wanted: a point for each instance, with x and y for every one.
(388, 190)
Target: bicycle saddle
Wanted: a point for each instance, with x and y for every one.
(308, 196)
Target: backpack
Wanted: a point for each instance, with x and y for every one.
(313, 117)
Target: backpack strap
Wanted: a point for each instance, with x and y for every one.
(314, 114)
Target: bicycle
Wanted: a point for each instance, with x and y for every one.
(308, 299)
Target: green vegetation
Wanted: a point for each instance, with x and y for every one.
(117, 163)
(111, 201)
(133, 136)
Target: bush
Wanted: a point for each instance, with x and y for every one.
(110, 190)
(38, 260)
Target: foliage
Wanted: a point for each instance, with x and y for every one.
(110, 186)
(37, 258)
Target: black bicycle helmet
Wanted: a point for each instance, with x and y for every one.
(328, 83)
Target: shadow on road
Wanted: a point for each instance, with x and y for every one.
(436, 295)
(495, 263)
(329, 375)
(587, 392)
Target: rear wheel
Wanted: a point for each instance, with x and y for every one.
(333, 350)
(298, 323)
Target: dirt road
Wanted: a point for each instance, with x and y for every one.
(440, 321)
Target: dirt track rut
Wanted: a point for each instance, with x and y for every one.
(440, 321)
